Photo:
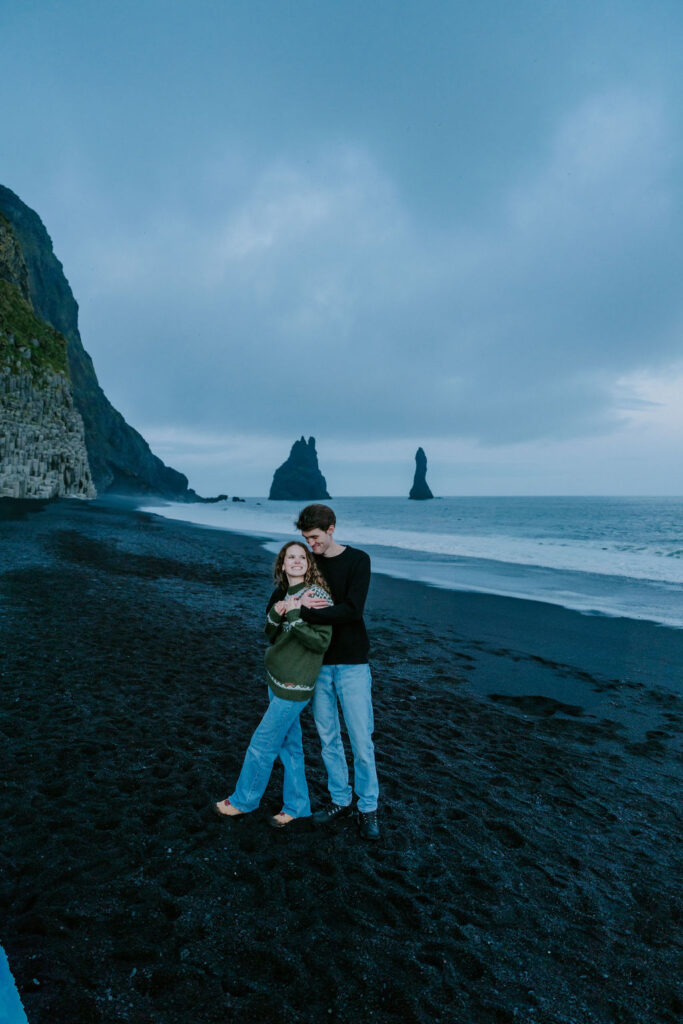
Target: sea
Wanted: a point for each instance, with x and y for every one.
(600, 556)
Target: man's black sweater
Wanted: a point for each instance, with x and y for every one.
(348, 577)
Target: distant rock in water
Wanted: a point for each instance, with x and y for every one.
(420, 489)
(299, 478)
(207, 501)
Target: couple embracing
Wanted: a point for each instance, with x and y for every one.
(318, 654)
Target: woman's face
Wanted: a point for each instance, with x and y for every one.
(295, 561)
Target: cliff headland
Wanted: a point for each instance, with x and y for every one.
(46, 377)
(42, 442)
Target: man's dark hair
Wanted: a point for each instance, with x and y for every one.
(316, 517)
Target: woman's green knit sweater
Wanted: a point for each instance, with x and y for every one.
(296, 655)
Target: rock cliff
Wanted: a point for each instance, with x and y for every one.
(42, 440)
(120, 459)
(299, 478)
(420, 489)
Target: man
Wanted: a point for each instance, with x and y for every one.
(345, 675)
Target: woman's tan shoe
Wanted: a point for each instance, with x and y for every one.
(224, 809)
(280, 820)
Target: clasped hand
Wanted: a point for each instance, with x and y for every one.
(293, 601)
(297, 600)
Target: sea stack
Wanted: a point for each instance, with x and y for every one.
(420, 489)
(299, 478)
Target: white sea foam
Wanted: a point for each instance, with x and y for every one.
(608, 556)
(659, 560)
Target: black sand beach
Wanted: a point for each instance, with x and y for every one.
(529, 868)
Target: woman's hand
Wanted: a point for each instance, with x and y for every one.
(280, 607)
(293, 601)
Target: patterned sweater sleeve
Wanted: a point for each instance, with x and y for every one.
(273, 621)
(316, 638)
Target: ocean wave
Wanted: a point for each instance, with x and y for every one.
(658, 562)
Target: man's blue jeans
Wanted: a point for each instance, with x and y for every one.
(351, 685)
(279, 734)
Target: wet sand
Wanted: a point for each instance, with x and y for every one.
(530, 767)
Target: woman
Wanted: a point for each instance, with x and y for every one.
(292, 665)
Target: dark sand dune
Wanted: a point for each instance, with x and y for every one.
(529, 868)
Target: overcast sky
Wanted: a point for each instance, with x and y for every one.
(385, 223)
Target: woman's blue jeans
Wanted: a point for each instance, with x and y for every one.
(279, 734)
(351, 685)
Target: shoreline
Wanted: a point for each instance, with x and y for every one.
(616, 653)
(588, 592)
(527, 867)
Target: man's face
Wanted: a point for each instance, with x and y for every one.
(318, 540)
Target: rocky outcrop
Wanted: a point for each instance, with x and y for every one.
(299, 478)
(420, 489)
(120, 459)
(42, 439)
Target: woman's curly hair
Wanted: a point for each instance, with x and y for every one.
(312, 577)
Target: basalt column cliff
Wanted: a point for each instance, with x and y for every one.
(119, 459)
(42, 441)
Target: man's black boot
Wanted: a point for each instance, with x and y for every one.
(368, 826)
(331, 813)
